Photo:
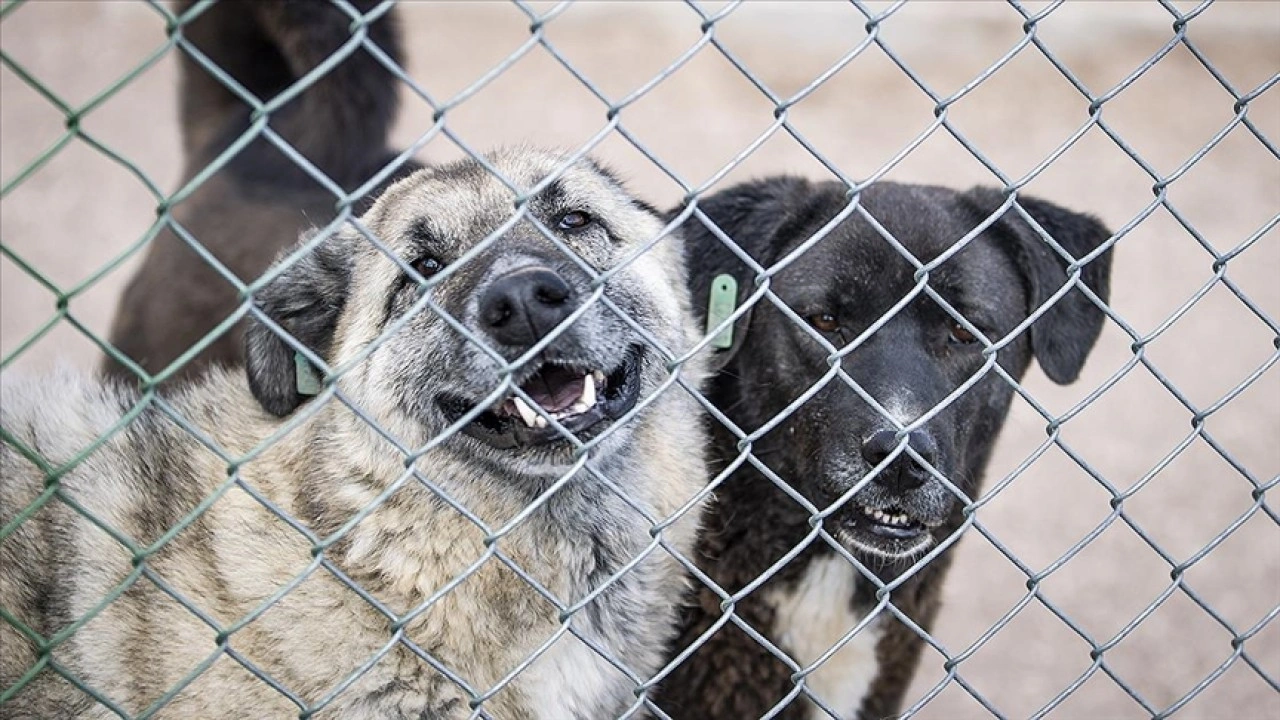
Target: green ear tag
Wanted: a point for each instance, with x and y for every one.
(721, 304)
(308, 380)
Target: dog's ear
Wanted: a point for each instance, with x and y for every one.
(761, 217)
(1062, 338)
(305, 300)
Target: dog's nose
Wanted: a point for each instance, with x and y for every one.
(904, 473)
(521, 307)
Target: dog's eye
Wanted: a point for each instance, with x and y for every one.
(575, 220)
(825, 322)
(960, 336)
(427, 266)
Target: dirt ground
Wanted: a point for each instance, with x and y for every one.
(1207, 332)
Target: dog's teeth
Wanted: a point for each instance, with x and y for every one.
(598, 376)
(527, 413)
(539, 422)
(577, 409)
(885, 518)
(588, 393)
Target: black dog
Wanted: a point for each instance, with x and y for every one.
(259, 202)
(824, 448)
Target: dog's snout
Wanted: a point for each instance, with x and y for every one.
(521, 307)
(904, 473)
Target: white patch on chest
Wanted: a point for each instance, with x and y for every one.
(570, 680)
(811, 618)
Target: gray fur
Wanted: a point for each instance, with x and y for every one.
(230, 559)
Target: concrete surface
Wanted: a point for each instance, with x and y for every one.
(81, 210)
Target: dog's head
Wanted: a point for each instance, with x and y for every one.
(465, 314)
(854, 291)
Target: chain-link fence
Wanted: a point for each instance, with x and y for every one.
(1121, 558)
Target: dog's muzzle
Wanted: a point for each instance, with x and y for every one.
(579, 389)
(895, 514)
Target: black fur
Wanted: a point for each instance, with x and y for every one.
(257, 205)
(915, 359)
(1063, 337)
(759, 209)
(340, 123)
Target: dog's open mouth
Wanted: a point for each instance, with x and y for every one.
(889, 532)
(890, 522)
(579, 398)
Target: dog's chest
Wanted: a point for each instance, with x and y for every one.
(815, 614)
(494, 620)
(573, 681)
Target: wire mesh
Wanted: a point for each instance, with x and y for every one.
(615, 110)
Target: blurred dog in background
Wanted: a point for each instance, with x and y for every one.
(258, 202)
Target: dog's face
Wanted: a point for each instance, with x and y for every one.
(478, 295)
(858, 298)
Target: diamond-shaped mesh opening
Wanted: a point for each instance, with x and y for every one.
(1117, 560)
